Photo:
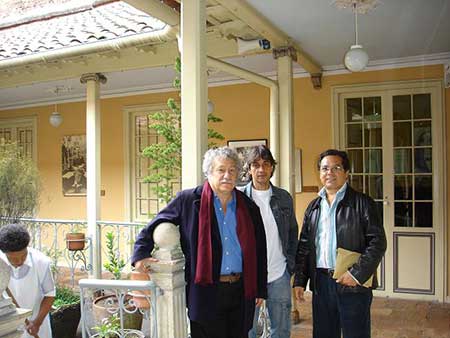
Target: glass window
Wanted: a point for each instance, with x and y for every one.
(423, 187)
(372, 134)
(422, 160)
(403, 214)
(401, 105)
(402, 134)
(145, 200)
(374, 186)
(373, 160)
(402, 161)
(423, 215)
(353, 109)
(422, 106)
(372, 108)
(356, 161)
(354, 135)
(422, 133)
(403, 187)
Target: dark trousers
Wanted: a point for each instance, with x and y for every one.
(230, 314)
(337, 307)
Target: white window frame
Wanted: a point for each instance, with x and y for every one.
(23, 122)
(129, 112)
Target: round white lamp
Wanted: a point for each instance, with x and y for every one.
(55, 119)
(210, 106)
(356, 58)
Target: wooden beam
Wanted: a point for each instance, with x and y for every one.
(276, 36)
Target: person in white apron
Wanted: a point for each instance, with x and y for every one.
(31, 282)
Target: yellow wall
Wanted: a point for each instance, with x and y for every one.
(245, 109)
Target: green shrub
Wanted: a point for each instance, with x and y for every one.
(65, 296)
(19, 184)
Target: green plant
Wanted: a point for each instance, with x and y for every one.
(77, 228)
(166, 156)
(19, 184)
(54, 254)
(115, 264)
(109, 328)
(65, 296)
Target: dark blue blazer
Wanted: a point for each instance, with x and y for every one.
(183, 211)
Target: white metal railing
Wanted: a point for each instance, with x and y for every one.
(118, 308)
(48, 235)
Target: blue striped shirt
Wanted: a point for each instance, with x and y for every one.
(326, 230)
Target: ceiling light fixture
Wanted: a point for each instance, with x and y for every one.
(210, 107)
(56, 118)
(356, 58)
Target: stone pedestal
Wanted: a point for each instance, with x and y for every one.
(168, 274)
(10, 317)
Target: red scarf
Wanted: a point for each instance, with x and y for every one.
(246, 235)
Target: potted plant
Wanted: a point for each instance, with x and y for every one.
(140, 298)
(75, 239)
(110, 328)
(106, 304)
(65, 313)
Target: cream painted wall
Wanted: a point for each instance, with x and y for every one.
(245, 110)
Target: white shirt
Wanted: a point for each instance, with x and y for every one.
(30, 283)
(276, 261)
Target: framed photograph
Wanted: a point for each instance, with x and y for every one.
(242, 147)
(74, 165)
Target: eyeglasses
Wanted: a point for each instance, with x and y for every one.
(334, 169)
(264, 165)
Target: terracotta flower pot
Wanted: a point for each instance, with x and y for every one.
(75, 241)
(104, 306)
(140, 298)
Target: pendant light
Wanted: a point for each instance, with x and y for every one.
(56, 118)
(356, 58)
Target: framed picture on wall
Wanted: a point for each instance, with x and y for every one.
(74, 165)
(242, 147)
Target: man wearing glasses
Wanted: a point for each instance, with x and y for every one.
(339, 217)
(280, 224)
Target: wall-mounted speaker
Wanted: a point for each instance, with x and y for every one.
(245, 46)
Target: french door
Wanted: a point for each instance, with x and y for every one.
(393, 134)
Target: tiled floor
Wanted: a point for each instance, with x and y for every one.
(393, 318)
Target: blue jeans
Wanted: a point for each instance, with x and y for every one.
(279, 306)
(337, 307)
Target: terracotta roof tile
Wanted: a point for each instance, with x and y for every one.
(108, 21)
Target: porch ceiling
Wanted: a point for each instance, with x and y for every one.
(396, 32)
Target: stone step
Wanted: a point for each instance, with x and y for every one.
(10, 323)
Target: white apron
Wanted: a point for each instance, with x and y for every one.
(28, 294)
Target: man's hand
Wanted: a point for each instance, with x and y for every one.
(299, 293)
(144, 264)
(32, 327)
(259, 301)
(347, 280)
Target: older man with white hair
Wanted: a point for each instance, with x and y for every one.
(224, 244)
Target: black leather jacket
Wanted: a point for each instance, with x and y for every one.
(359, 228)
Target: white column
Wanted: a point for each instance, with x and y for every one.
(168, 275)
(274, 140)
(93, 160)
(286, 160)
(194, 91)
